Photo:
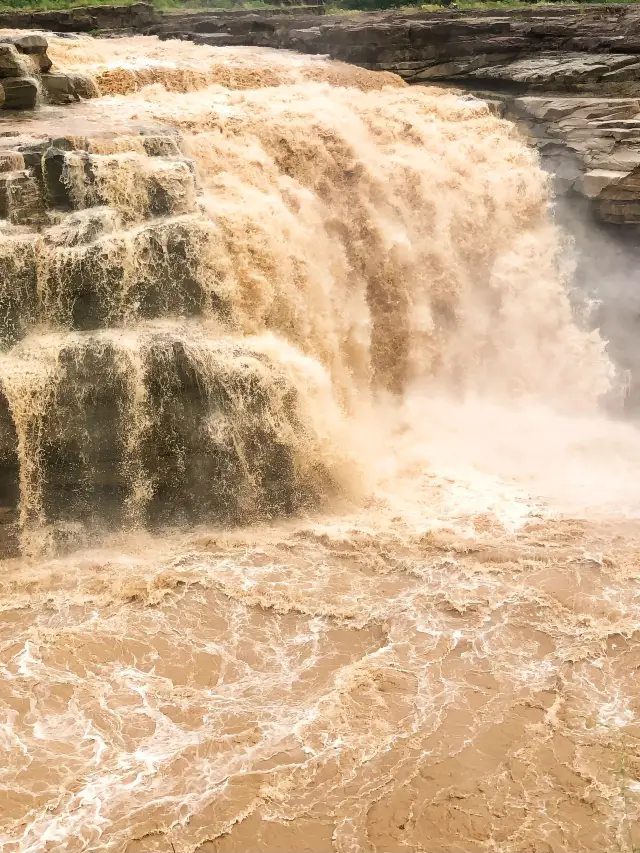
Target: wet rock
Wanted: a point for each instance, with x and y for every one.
(11, 161)
(22, 53)
(82, 227)
(97, 273)
(219, 426)
(59, 88)
(83, 86)
(160, 186)
(32, 45)
(69, 143)
(21, 198)
(65, 88)
(9, 483)
(10, 65)
(20, 93)
(18, 288)
(160, 269)
(32, 152)
(26, 42)
(209, 428)
(53, 173)
(161, 145)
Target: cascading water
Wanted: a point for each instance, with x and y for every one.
(323, 317)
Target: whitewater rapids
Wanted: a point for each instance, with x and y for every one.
(442, 653)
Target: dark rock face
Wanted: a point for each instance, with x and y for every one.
(20, 93)
(9, 482)
(135, 17)
(181, 432)
(10, 65)
(65, 88)
(142, 18)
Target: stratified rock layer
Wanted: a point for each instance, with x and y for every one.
(577, 48)
(115, 406)
(591, 145)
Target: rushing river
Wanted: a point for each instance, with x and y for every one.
(323, 541)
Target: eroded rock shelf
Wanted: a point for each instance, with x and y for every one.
(27, 76)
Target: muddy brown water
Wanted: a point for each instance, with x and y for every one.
(439, 649)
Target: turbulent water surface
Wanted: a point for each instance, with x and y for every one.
(325, 542)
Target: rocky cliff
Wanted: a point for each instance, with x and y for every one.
(77, 271)
(555, 48)
(136, 17)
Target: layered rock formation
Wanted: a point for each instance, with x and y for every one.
(592, 147)
(135, 17)
(140, 17)
(23, 58)
(26, 75)
(116, 405)
(593, 48)
(554, 48)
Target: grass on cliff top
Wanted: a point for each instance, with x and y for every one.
(334, 7)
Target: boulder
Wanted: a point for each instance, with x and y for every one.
(23, 53)
(26, 42)
(33, 45)
(83, 86)
(619, 200)
(591, 184)
(20, 93)
(61, 88)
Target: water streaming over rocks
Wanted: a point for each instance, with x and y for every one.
(314, 536)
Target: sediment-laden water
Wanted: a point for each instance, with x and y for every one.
(317, 537)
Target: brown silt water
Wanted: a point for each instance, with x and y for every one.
(316, 535)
